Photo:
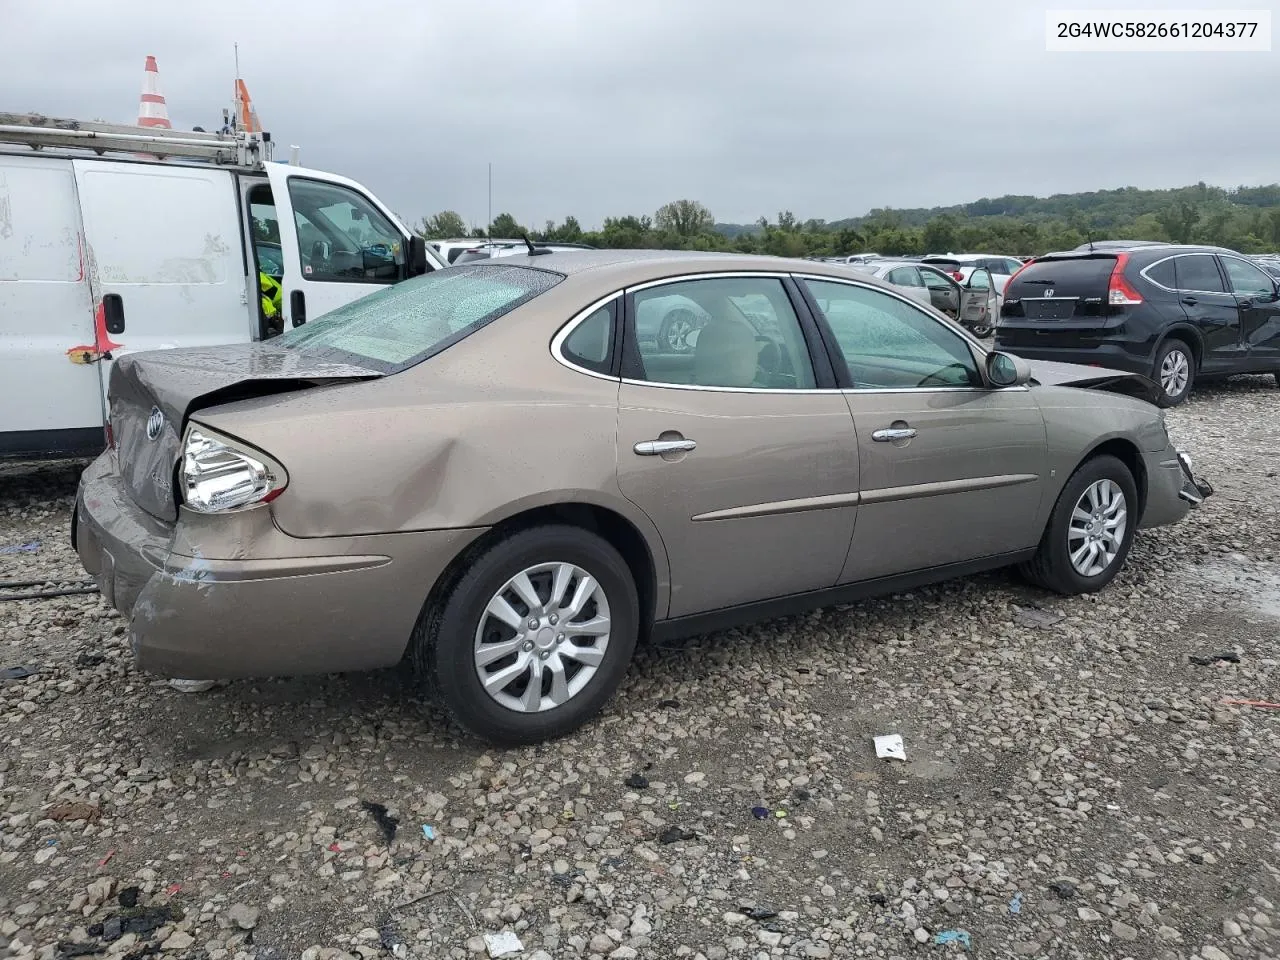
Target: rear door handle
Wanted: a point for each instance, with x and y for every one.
(1190, 301)
(656, 448)
(890, 434)
(113, 313)
(298, 307)
(1245, 304)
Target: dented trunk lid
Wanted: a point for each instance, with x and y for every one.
(1052, 374)
(153, 393)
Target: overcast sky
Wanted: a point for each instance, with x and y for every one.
(608, 107)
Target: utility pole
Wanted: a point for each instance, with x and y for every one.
(489, 229)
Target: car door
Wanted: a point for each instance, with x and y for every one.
(908, 278)
(977, 298)
(944, 293)
(950, 470)
(741, 450)
(337, 243)
(1259, 303)
(165, 257)
(1210, 307)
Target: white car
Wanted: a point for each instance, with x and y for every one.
(1000, 267)
(972, 301)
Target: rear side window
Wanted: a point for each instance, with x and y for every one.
(404, 324)
(590, 346)
(1198, 271)
(1067, 277)
(1162, 273)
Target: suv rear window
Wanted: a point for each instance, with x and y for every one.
(404, 324)
(1067, 277)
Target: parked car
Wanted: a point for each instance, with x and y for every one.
(1001, 268)
(451, 250)
(154, 238)
(1171, 312)
(484, 469)
(1269, 264)
(973, 301)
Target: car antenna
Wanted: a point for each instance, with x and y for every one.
(1089, 236)
(533, 251)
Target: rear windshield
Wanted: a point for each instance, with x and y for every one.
(404, 324)
(1068, 277)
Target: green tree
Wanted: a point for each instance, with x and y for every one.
(684, 218)
(443, 225)
(505, 227)
(940, 234)
(1179, 220)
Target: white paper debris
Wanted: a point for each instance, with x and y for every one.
(503, 944)
(889, 747)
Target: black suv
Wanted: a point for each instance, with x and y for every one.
(1168, 311)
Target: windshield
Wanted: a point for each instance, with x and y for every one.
(404, 324)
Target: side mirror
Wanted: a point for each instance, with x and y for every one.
(1006, 370)
(417, 256)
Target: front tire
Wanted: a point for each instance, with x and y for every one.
(1174, 372)
(1090, 530)
(534, 638)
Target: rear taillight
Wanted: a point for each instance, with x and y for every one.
(219, 475)
(1120, 292)
(111, 436)
(1009, 283)
(957, 275)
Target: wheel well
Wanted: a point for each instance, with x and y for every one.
(1128, 454)
(1190, 339)
(621, 534)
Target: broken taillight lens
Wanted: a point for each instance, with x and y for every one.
(219, 475)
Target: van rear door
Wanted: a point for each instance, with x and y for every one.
(166, 259)
(50, 401)
(337, 241)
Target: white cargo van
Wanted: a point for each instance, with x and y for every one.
(118, 239)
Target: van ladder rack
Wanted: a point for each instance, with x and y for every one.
(36, 131)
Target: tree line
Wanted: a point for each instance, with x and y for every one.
(1244, 218)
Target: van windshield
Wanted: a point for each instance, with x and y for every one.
(404, 324)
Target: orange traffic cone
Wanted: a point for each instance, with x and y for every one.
(152, 111)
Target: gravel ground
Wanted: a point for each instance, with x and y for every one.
(1074, 786)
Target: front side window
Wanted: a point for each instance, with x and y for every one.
(905, 277)
(980, 279)
(1246, 279)
(734, 332)
(934, 280)
(890, 344)
(1197, 271)
(404, 324)
(342, 236)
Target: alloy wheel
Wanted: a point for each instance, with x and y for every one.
(542, 637)
(1175, 373)
(678, 330)
(1097, 528)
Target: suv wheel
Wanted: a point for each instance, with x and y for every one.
(1174, 371)
(534, 638)
(1090, 530)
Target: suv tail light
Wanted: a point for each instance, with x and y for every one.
(1009, 283)
(219, 474)
(1120, 292)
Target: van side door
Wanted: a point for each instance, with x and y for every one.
(164, 255)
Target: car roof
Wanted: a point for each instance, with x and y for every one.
(1144, 246)
(611, 270)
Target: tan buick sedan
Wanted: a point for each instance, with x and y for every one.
(511, 471)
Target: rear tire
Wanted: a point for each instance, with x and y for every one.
(1084, 526)
(981, 330)
(460, 637)
(1174, 372)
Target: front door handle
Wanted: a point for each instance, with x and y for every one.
(1245, 304)
(113, 313)
(890, 434)
(298, 307)
(656, 448)
(1190, 301)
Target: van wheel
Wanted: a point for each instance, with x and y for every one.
(534, 638)
(1175, 370)
(1090, 530)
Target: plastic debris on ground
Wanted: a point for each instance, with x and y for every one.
(31, 547)
(390, 936)
(758, 913)
(1267, 704)
(1065, 889)
(386, 823)
(1015, 905)
(675, 835)
(20, 672)
(1223, 656)
(760, 813)
(503, 944)
(193, 686)
(954, 936)
(428, 831)
(890, 747)
(1037, 618)
(637, 781)
(128, 897)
